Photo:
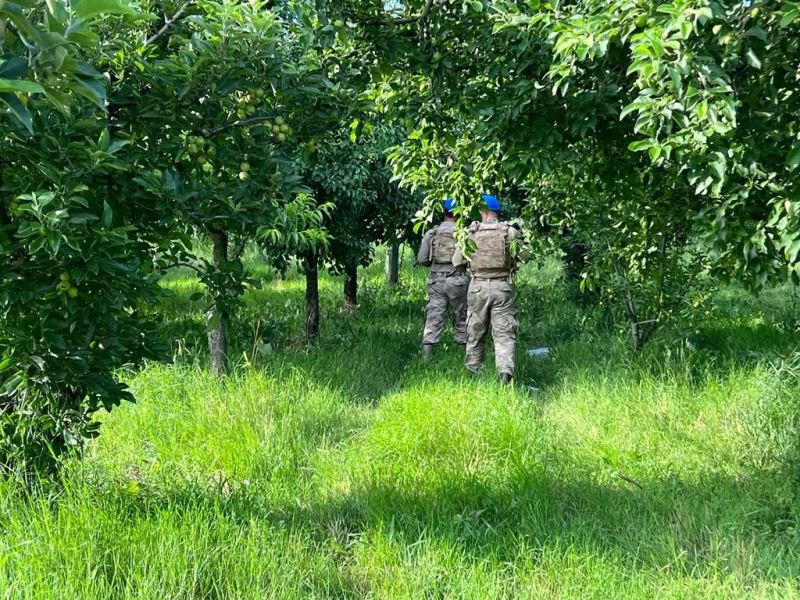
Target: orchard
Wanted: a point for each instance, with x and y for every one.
(211, 210)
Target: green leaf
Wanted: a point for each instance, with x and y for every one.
(91, 88)
(752, 59)
(18, 110)
(89, 8)
(757, 32)
(20, 85)
(13, 67)
(641, 145)
(105, 140)
(793, 160)
(790, 17)
(108, 215)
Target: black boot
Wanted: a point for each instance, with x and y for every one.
(506, 378)
(427, 353)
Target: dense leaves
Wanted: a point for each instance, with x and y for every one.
(74, 274)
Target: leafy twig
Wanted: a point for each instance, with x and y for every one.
(168, 23)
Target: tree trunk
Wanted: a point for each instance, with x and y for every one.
(392, 271)
(218, 317)
(350, 288)
(312, 297)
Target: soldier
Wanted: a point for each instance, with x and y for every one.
(491, 299)
(447, 285)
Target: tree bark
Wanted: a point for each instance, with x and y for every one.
(392, 271)
(350, 288)
(312, 297)
(218, 334)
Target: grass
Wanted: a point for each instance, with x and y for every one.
(350, 471)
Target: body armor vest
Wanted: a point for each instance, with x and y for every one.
(491, 252)
(443, 246)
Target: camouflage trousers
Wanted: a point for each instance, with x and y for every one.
(491, 302)
(443, 293)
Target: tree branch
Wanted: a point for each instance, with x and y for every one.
(234, 124)
(168, 23)
(422, 16)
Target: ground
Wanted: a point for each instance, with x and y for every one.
(351, 471)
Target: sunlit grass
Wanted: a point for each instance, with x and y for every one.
(350, 471)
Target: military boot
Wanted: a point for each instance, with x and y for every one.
(506, 378)
(427, 353)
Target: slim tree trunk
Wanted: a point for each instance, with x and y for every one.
(350, 288)
(392, 270)
(218, 317)
(312, 296)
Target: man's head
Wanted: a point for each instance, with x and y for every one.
(490, 208)
(449, 207)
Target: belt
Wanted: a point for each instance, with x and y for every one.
(445, 274)
(508, 278)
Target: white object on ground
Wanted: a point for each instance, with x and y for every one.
(542, 352)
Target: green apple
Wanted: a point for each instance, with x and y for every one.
(244, 175)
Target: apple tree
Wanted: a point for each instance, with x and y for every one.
(209, 103)
(73, 272)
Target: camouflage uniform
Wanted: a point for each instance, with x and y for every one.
(491, 299)
(447, 286)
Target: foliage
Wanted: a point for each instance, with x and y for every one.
(214, 108)
(351, 172)
(73, 272)
(547, 96)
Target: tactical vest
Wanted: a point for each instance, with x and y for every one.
(491, 248)
(443, 246)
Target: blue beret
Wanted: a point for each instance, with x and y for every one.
(492, 203)
(449, 205)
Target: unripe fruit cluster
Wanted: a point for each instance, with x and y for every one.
(65, 286)
(14, 209)
(200, 148)
(247, 103)
(280, 129)
(244, 171)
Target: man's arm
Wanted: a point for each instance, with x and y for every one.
(424, 254)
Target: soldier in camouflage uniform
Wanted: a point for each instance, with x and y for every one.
(447, 285)
(491, 298)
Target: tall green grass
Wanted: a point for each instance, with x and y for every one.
(351, 471)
